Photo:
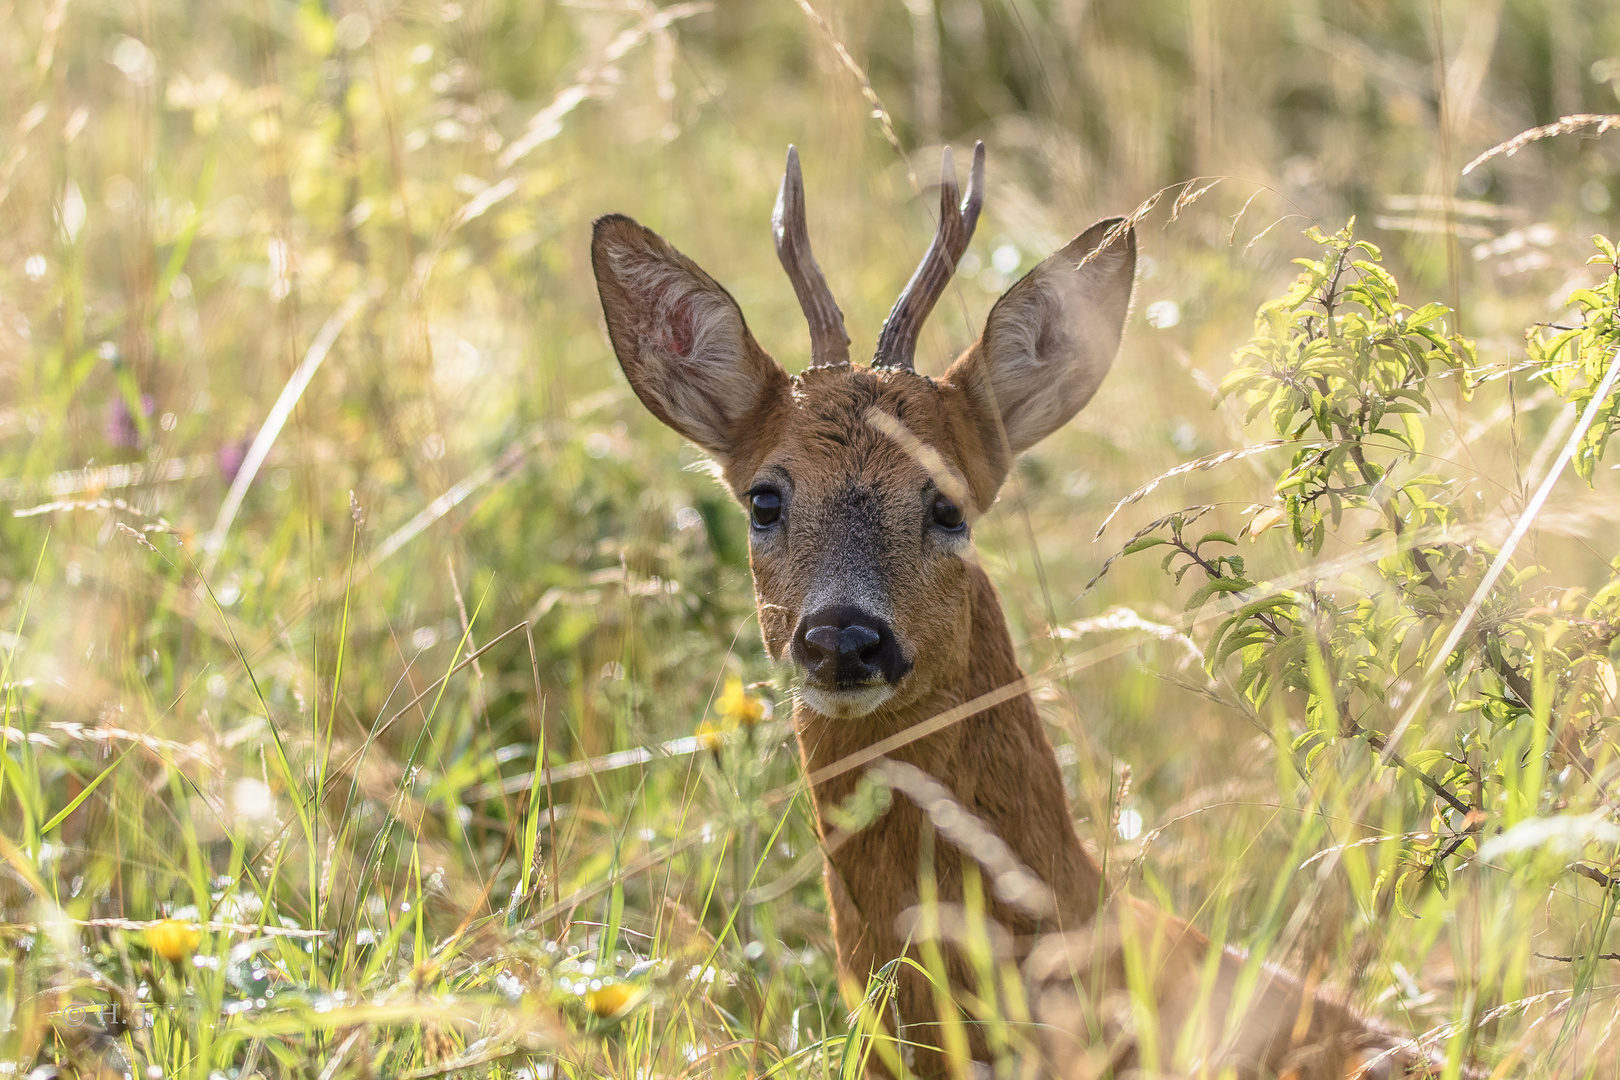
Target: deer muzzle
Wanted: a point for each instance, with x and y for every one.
(850, 658)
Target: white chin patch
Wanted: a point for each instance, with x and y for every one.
(845, 704)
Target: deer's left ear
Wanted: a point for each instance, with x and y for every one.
(1049, 341)
(680, 337)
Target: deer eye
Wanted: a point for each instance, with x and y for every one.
(947, 515)
(764, 509)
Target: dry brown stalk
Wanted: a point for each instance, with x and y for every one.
(1562, 126)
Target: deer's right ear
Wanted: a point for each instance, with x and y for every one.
(680, 337)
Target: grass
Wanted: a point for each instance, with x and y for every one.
(413, 734)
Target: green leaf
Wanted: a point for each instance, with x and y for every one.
(1142, 544)
(1440, 879)
(1401, 905)
(1413, 424)
(89, 789)
(1255, 634)
(1213, 587)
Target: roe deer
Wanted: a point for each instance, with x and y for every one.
(862, 485)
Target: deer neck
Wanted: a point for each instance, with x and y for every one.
(997, 764)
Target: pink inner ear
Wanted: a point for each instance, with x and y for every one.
(673, 328)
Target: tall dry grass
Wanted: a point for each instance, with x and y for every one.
(356, 622)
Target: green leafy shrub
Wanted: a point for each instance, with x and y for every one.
(1418, 620)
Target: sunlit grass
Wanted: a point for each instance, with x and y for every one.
(400, 767)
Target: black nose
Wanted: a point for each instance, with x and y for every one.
(844, 646)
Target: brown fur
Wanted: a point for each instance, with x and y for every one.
(858, 454)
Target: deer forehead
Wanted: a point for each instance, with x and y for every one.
(874, 427)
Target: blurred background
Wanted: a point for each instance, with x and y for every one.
(295, 301)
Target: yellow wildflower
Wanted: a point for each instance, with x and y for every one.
(737, 707)
(613, 999)
(173, 939)
(710, 738)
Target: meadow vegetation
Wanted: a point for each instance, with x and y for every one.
(379, 686)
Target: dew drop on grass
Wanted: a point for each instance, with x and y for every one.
(134, 59)
(1130, 824)
(253, 799)
(1163, 314)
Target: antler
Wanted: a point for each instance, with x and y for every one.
(897, 345)
(829, 344)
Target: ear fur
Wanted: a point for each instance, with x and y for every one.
(679, 336)
(1049, 340)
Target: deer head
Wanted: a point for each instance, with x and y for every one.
(863, 483)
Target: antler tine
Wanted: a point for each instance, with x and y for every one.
(829, 344)
(897, 345)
